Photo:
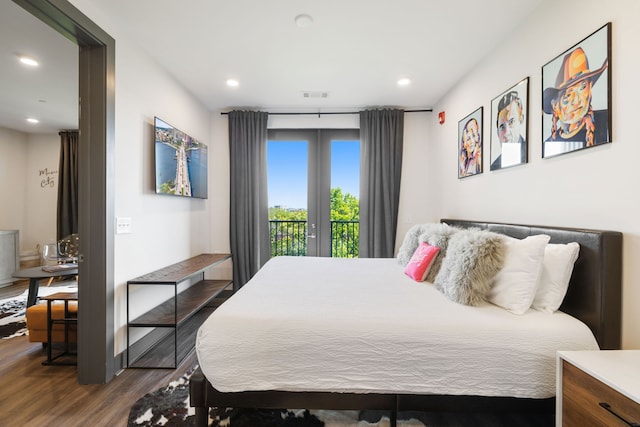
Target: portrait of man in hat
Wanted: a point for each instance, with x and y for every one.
(570, 120)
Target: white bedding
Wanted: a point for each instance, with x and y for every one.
(361, 325)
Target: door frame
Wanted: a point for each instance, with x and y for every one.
(96, 359)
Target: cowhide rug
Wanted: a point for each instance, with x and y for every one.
(12, 317)
(169, 406)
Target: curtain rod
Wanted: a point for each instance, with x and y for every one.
(429, 110)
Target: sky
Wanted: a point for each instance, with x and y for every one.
(287, 166)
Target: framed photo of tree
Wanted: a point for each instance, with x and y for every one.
(509, 126)
(470, 144)
(576, 96)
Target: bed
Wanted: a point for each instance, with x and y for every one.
(272, 365)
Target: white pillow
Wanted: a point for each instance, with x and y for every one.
(515, 285)
(556, 272)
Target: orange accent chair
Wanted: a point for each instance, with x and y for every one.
(37, 322)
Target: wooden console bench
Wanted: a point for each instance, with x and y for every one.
(174, 323)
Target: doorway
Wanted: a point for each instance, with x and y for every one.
(313, 180)
(96, 361)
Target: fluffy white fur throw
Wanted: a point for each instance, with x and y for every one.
(472, 260)
(409, 244)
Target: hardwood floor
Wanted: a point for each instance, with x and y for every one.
(14, 290)
(35, 395)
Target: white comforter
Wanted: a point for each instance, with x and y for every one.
(361, 325)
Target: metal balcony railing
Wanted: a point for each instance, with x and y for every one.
(345, 236)
(290, 238)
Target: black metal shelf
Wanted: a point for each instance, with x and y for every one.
(174, 322)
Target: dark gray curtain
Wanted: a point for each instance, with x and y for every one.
(381, 133)
(67, 215)
(249, 222)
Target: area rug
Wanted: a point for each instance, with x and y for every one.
(13, 311)
(169, 406)
(12, 317)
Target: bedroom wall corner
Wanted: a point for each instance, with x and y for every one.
(419, 189)
(219, 181)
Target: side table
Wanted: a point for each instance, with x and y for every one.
(66, 320)
(598, 388)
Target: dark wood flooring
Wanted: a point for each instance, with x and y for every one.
(35, 395)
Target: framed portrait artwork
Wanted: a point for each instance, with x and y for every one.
(470, 144)
(576, 96)
(509, 126)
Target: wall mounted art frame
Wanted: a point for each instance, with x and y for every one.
(576, 96)
(470, 144)
(510, 126)
(181, 162)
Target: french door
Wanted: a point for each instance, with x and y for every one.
(313, 180)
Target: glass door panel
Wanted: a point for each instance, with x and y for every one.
(287, 175)
(345, 202)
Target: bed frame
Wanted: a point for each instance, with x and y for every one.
(594, 296)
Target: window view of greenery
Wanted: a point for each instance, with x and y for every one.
(345, 224)
(289, 227)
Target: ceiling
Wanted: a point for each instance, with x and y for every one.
(48, 92)
(354, 51)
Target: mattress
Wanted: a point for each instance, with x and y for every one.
(361, 325)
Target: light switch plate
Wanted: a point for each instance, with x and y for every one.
(123, 225)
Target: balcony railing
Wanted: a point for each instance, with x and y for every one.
(290, 238)
(345, 236)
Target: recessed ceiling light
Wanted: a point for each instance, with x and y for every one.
(32, 120)
(232, 83)
(27, 60)
(303, 20)
(404, 82)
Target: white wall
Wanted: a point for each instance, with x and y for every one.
(420, 188)
(165, 229)
(43, 157)
(29, 194)
(592, 188)
(219, 190)
(13, 160)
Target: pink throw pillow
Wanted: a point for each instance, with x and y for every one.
(420, 263)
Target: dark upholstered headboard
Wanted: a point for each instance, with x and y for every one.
(595, 289)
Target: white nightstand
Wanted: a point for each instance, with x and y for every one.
(598, 388)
